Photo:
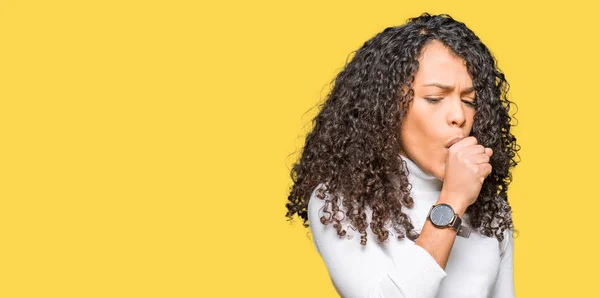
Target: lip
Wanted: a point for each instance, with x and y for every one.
(454, 141)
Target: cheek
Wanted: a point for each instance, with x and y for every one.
(471, 118)
(421, 135)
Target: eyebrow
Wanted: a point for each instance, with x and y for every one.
(449, 88)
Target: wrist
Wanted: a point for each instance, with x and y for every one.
(456, 204)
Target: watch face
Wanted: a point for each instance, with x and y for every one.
(441, 215)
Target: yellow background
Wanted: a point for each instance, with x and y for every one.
(145, 146)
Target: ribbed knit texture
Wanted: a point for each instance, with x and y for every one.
(478, 266)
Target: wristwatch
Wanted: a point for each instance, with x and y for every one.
(442, 216)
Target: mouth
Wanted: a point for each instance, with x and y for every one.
(453, 141)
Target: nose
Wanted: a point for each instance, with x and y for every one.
(456, 113)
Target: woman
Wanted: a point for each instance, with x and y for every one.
(403, 178)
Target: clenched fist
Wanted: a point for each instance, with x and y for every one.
(467, 166)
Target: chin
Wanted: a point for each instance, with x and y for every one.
(440, 175)
(435, 172)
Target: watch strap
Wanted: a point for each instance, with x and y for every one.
(455, 224)
(462, 231)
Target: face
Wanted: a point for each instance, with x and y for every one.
(442, 109)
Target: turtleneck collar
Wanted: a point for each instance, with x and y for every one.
(419, 179)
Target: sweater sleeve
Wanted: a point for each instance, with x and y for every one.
(505, 287)
(400, 270)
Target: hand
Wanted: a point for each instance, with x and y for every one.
(467, 166)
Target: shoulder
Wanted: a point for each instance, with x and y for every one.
(508, 242)
(319, 203)
(317, 197)
(322, 201)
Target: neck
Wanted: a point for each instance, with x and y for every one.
(419, 179)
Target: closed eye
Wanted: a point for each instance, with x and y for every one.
(437, 100)
(433, 100)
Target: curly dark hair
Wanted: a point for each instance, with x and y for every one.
(354, 144)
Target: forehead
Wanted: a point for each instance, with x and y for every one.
(438, 64)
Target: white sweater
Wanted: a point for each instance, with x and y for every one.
(478, 266)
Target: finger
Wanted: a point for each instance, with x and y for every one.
(466, 142)
(489, 151)
(485, 169)
(474, 150)
(481, 158)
